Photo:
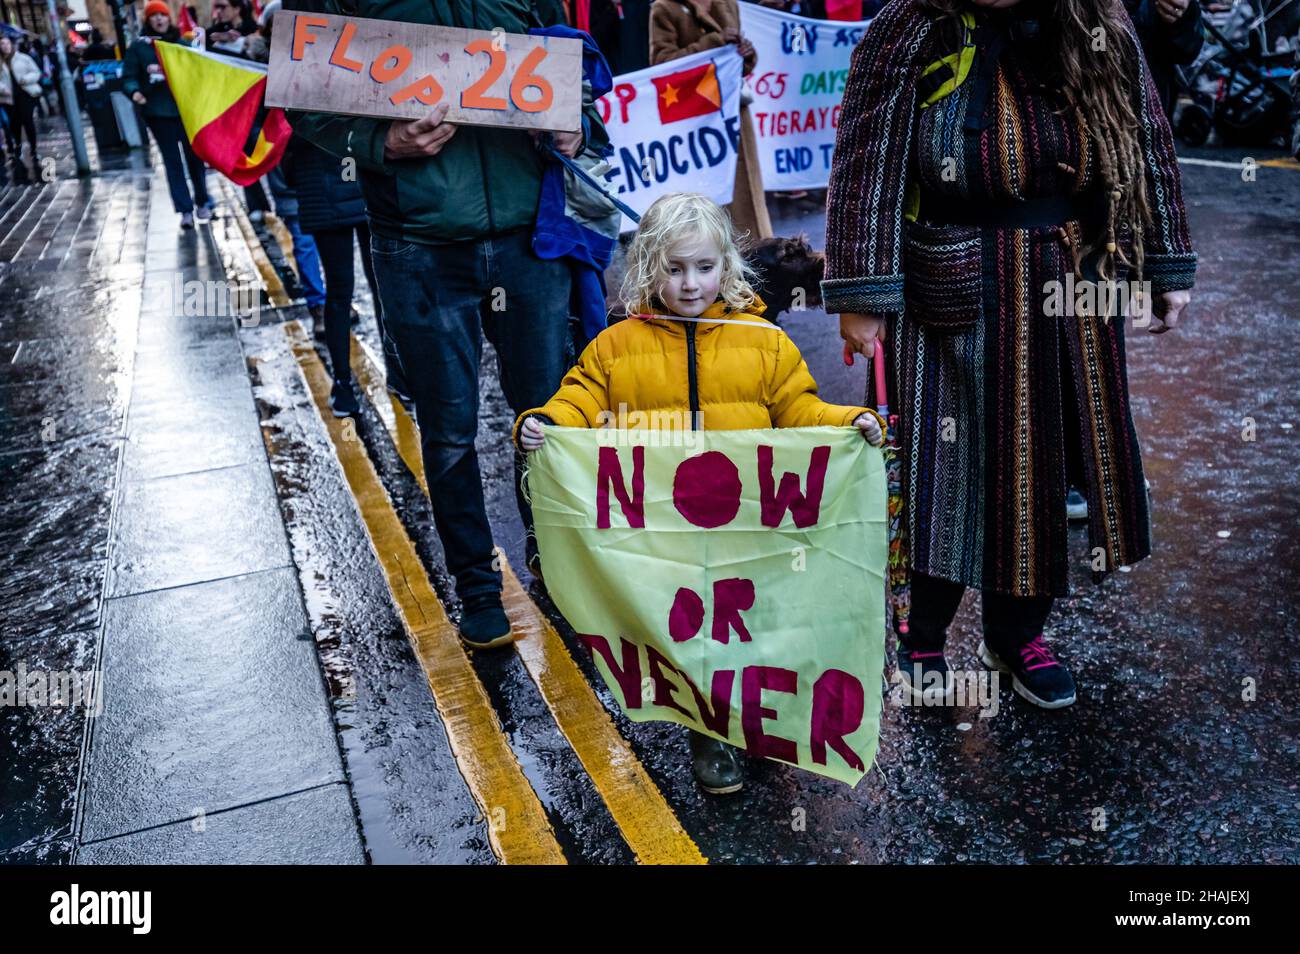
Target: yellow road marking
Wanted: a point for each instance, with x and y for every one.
(275, 292)
(280, 232)
(1281, 163)
(518, 828)
(639, 809)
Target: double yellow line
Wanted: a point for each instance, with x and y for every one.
(639, 809)
(519, 830)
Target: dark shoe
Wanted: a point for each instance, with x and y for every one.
(483, 623)
(924, 674)
(1036, 673)
(716, 765)
(343, 400)
(1076, 505)
(187, 220)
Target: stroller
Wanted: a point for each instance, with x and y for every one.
(1240, 83)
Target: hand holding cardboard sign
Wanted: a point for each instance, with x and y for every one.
(412, 138)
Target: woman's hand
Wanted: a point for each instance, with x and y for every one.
(531, 436)
(1169, 308)
(138, 97)
(860, 333)
(870, 429)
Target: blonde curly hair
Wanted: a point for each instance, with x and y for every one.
(671, 221)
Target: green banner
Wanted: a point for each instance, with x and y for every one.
(730, 581)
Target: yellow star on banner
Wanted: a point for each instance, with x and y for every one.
(669, 94)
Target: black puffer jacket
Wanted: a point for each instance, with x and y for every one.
(329, 196)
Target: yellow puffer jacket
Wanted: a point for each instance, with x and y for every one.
(637, 374)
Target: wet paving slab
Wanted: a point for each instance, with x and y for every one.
(289, 830)
(135, 545)
(212, 700)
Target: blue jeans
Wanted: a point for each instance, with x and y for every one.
(436, 299)
(177, 157)
(305, 255)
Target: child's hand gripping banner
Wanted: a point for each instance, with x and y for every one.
(730, 581)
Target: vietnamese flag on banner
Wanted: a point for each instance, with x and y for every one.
(219, 98)
(689, 93)
(844, 9)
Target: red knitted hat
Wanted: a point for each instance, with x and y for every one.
(156, 6)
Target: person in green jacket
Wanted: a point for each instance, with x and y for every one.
(451, 212)
(143, 80)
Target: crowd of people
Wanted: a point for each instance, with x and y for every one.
(26, 73)
(1098, 194)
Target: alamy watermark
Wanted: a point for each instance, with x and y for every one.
(208, 299)
(59, 689)
(976, 688)
(1107, 298)
(623, 427)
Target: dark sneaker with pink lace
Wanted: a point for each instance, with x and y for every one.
(924, 674)
(1036, 673)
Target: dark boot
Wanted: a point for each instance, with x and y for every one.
(716, 765)
(483, 622)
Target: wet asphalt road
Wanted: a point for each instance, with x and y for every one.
(1182, 747)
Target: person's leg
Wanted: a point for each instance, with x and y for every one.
(26, 118)
(255, 196)
(198, 173)
(934, 604)
(529, 329)
(166, 133)
(431, 297)
(7, 117)
(335, 248)
(307, 258)
(394, 373)
(1012, 621)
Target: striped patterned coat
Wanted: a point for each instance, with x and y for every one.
(993, 389)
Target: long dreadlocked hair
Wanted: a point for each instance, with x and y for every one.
(1094, 59)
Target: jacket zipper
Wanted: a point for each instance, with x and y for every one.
(692, 379)
(478, 143)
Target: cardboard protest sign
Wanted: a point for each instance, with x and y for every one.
(730, 581)
(803, 65)
(384, 68)
(675, 128)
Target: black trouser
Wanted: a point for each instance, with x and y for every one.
(1009, 621)
(22, 118)
(439, 303)
(335, 248)
(177, 156)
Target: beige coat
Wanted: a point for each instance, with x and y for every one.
(682, 27)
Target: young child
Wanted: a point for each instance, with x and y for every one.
(691, 354)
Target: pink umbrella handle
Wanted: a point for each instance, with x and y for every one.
(878, 374)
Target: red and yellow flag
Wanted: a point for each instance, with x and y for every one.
(219, 98)
(688, 93)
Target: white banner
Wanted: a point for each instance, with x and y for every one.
(675, 128)
(798, 83)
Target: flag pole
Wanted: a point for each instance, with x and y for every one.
(68, 89)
